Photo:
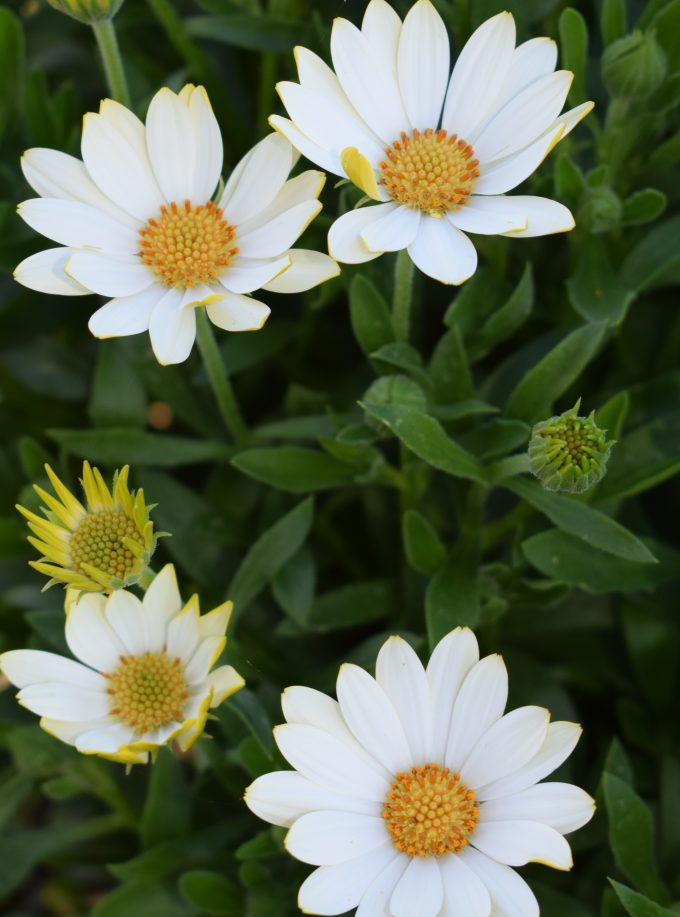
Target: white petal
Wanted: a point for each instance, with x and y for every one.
(372, 719)
(544, 217)
(505, 174)
(451, 660)
(516, 843)
(105, 739)
(375, 901)
(235, 312)
(307, 269)
(283, 796)
(278, 234)
(337, 889)
(257, 179)
(465, 894)
(303, 188)
(373, 92)
(400, 674)
(90, 637)
(330, 762)
(69, 732)
(224, 682)
(560, 741)
(170, 141)
(216, 621)
(530, 60)
(490, 215)
(478, 77)
(120, 166)
(184, 634)
(172, 329)
(203, 659)
(510, 894)
(480, 702)
(55, 174)
(574, 116)
(110, 275)
(394, 231)
(381, 27)
(506, 746)
(128, 315)
(344, 238)
(44, 272)
(327, 838)
(562, 806)
(419, 891)
(310, 150)
(443, 252)
(78, 225)
(61, 701)
(248, 274)
(208, 146)
(524, 118)
(162, 602)
(124, 613)
(423, 65)
(29, 667)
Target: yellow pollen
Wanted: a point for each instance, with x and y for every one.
(186, 245)
(430, 171)
(429, 812)
(148, 691)
(98, 541)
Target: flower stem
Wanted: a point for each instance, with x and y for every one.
(403, 295)
(219, 381)
(105, 33)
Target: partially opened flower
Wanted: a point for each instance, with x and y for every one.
(414, 794)
(104, 545)
(136, 222)
(439, 153)
(143, 679)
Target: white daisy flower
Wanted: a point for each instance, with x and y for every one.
(414, 794)
(136, 221)
(144, 676)
(439, 153)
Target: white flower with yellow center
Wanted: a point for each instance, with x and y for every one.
(144, 676)
(414, 794)
(136, 222)
(438, 152)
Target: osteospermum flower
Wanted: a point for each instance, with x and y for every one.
(101, 546)
(439, 153)
(137, 223)
(143, 679)
(414, 794)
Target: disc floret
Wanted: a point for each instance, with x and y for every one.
(148, 691)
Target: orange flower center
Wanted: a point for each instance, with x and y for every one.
(429, 812)
(187, 245)
(432, 171)
(148, 691)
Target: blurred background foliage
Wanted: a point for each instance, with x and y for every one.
(381, 489)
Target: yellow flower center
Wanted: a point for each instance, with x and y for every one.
(148, 691)
(188, 245)
(98, 541)
(429, 812)
(432, 171)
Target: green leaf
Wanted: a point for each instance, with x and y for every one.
(452, 598)
(167, 810)
(450, 370)
(262, 846)
(404, 357)
(533, 397)
(269, 553)
(574, 51)
(595, 290)
(294, 584)
(426, 437)
(255, 33)
(581, 520)
(669, 809)
(667, 32)
(643, 206)
(638, 905)
(653, 256)
(570, 560)
(212, 893)
(631, 836)
(120, 446)
(475, 301)
(422, 545)
(369, 315)
(611, 417)
(643, 459)
(140, 898)
(118, 396)
(613, 20)
(293, 468)
(250, 711)
(11, 65)
(569, 180)
(506, 320)
(350, 606)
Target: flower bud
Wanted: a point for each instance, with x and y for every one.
(569, 453)
(600, 209)
(634, 66)
(87, 11)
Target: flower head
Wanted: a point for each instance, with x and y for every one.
(143, 679)
(87, 11)
(569, 452)
(99, 547)
(136, 221)
(438, 152)
(414, 794)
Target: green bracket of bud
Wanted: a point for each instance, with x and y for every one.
(87, 11)
(634, 66)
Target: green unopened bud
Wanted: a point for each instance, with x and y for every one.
(569, 452)
(634, 66)
(600, 209)
(87, 11)
(396, 389)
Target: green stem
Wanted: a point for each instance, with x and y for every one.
(403, 295)
(224, 394)
(105, 33)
